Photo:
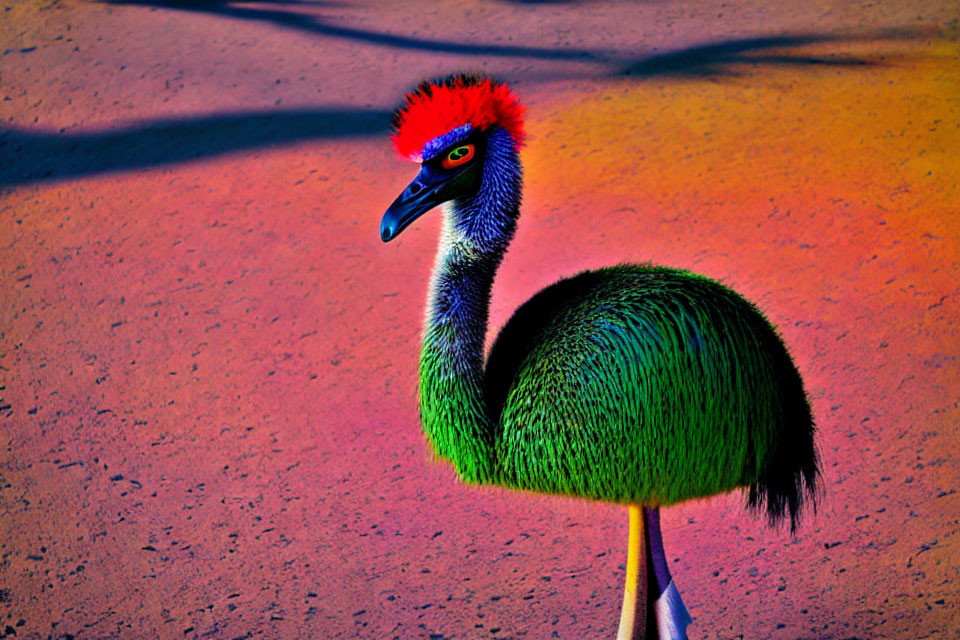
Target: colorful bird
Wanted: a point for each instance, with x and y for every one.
(635, 384)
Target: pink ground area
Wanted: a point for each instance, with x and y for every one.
(208, 358)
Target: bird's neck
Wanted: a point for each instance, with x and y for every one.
(475, 235)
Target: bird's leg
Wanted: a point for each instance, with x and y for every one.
(666, 609)
(633, 616)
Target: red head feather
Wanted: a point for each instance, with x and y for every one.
(435, 108)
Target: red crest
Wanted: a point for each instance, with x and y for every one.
(435, 108)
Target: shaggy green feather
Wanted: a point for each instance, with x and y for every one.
(631, 384)
(636, 388)
(453, 415)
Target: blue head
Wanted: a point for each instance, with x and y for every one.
(465, 133)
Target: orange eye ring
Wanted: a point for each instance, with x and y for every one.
(458, 156)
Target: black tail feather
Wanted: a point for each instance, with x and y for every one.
(790, 479)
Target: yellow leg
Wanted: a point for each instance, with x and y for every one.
(633, 616)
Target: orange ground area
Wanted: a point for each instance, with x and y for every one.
(208, 358)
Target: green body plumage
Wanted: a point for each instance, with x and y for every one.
(631, 384)
(635, 384)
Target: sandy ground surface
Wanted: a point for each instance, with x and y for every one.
(208, 359)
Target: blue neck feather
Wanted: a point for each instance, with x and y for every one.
(476, 232)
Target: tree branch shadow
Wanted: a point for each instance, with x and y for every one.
(316, 25)
(713, 59)
(47, 156)
(724, 58)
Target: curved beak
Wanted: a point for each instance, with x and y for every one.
(424, 193)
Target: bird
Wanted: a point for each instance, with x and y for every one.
(635, 384)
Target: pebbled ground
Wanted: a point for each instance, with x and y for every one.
(208, 423)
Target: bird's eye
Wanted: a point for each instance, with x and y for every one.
(458, 156)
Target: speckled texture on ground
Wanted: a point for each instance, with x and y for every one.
(208, 359)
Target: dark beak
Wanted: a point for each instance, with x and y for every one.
(424, 193)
